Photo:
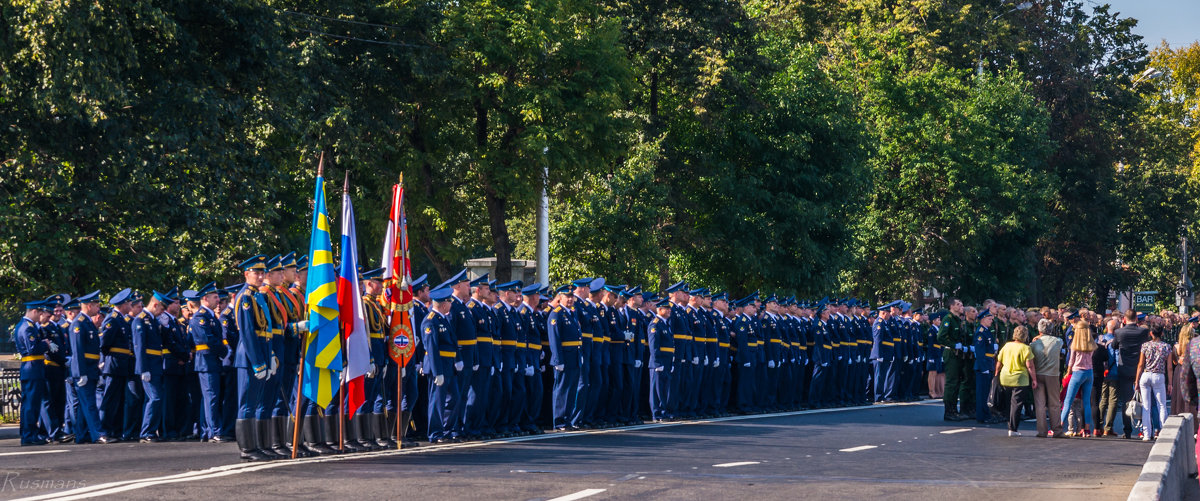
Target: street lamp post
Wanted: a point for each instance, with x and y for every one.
(1020, 6)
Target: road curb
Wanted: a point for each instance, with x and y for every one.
(9, 432)
(1172, 462)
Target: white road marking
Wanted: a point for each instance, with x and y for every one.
(34, 452)
(951, 432)
(739, 463)
(856, 449)
(120, 486)
(578, 495)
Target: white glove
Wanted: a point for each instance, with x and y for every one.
(793, 361)
(987, 372)
(747, 364)
(637, 364)
(100, 366)
(371, 371)
(770, 364)
(145, 377)
(82, 381)
(839, 358)
(492, 370)
(658, 369)
(972, 349)
(705, 360)
(716, 363)
(995, 347)
(403, 372)
(53, 347)
(541, 355)
(260, 375)
(826, 364)
(439, 380)
(560, 367)
(905, 359)
(300, 327)
(420, 369)
(458, 366)
(958, 346)
(695, 360)
(501, 366)
(274, 364)
(516, 370)
(529, 371)
(475, 367)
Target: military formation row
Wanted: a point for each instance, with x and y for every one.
(493, 359)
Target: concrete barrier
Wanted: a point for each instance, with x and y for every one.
(1172, 462)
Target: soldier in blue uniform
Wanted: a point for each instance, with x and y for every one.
(32, 348)
(205, 332)
(722, 324)
(662, 361)
(289, 301)
(464, 329)
(229, 372)
(365, 426)
(634, 323)
(54, 402)
(565, 339)
(984, 348)
(411, 402)
(176, 415)
(255, 359)
(85, 369)
(745, 351)
(122, 393)
(512, 357)
(679, 382)
(822, 357)
(583, 321)
(443, 364)
(484, 383)
(535, 335)
(148, 365)
(610, 405)
(598, 356)
(883, 350)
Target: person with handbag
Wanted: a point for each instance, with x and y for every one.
(1154, 364)
(1079, 365)
(1014, 368)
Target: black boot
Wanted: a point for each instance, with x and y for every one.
(311, 434)
(351, 436)
(264, 432)
(387, 432)
(329, 427)
(405, 421)
(285, 429)
(362, 432)
(247, 444)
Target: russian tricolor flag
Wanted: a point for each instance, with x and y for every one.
(353, 317)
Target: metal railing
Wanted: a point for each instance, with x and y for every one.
(10, 395)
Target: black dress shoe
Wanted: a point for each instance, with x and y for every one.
(149, 440)
(108, 440)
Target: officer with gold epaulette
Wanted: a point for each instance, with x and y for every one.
(229, 373)
(565, 340)
(255, 360)
(148, 364)
(120, 404)
(205, 332)
(84, 339)
(32, 347)
(54, 403)
(369, 429)
(535, 328)
(442, 363)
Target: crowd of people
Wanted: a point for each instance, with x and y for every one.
(1082, 369)
(506, 359)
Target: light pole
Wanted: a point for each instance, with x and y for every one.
(1151, 73)
(1020, 6)
(543, 225)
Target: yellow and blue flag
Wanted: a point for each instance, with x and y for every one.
(323, 353)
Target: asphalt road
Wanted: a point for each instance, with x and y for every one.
(889, 452)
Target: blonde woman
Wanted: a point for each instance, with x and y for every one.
(1180, 397)
(1079, 365)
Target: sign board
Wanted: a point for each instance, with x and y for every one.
(1143, 301)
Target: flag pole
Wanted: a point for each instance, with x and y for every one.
(303, 355)
(344, 399)
(400, 415)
